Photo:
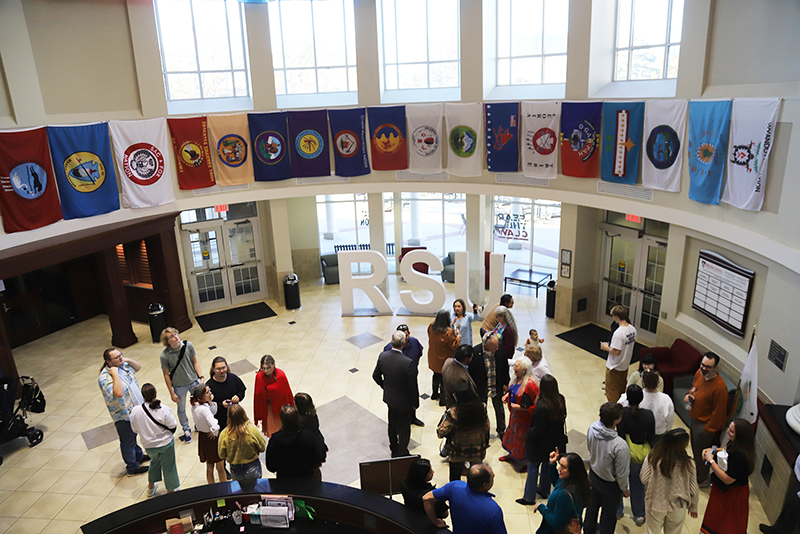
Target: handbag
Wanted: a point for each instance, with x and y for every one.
(638, 451)
(444, 449)
(573, 525)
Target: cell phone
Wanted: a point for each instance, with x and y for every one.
(713, 451)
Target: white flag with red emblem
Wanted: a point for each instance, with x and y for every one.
(540, 130)
(424, 138)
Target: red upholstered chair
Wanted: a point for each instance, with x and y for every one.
(486, 256)
(680, 359)
(419, 267)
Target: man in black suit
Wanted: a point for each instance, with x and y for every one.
(396, 374)
(456, 372)
(489, 371)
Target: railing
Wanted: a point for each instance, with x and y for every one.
(363, 246)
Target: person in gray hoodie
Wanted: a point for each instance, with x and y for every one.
(609, 460)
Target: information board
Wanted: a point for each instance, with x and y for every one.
(722, 291)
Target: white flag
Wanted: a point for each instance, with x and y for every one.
(752, 134)
(425, 137)
(142, 150)
(746, 403)
(540, 131)
(464, 157)
(664, 134)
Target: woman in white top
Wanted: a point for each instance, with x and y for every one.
(155, 425)
(203, 410)
(540, 367)
(659, 403)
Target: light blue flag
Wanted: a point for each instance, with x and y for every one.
(622, 141)
(709, 124)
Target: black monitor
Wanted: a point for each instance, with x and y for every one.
(385, 476)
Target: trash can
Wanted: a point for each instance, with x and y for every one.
(291, 291)
(550, 306)
(157, 319)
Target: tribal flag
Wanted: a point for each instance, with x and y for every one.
(308, 138)
(665, 130)
(141, 149)
(580, 135)
(87, 183)
(387, 131)
(708, 146)
(463, 123)
(425, 125)
(540, 129)
(622, 138)
(745, 405)
(231, 137)
(192, 153)
(349, 130)
(752, 134)
(268, 136)
(502, 136)
(28, 195)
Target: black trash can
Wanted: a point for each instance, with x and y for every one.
(291, 291)
(157, 319)
(550, 306)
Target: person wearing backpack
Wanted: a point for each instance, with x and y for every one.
(181, 374)
(156, 425)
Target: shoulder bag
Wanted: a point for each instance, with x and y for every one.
(573, 525)
(180, 357)
(153, 419)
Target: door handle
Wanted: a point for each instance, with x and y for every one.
(236, 265)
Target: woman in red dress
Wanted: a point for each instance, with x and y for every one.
(272, 392)
(521, 398)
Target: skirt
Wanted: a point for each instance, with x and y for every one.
(727, 511)
(271, 424)
(514, 437)
(207, 448)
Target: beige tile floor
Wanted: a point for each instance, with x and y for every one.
(59, 485)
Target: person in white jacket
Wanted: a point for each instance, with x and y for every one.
(156, 425)
(203, 410)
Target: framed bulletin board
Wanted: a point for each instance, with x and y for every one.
(722, 291)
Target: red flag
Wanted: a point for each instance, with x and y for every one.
(192, 152)
(28, 196)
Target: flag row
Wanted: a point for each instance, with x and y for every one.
(518, 136)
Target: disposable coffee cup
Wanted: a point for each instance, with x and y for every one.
(722, 459)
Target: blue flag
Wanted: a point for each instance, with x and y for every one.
(308, 143)
(502, 136)
(268, 137)
(349, 130)
(87, 183)
(622, 139)
(709, 123)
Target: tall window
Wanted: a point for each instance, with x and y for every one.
(532, 42)
(419, 40)
(203, 55)
(343, 222)
(648, 39)
(436, 221)
(527, 231)
(313, 49)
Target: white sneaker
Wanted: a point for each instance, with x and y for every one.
(152, 492)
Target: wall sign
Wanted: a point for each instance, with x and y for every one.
(722, 291)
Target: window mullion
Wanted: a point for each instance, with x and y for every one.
(427, 46)
(396, 48)
(346, 56)
(630, 39)
(230, 51)
(314, 45)
(666, 39)
(283, 49)
(196, 51)
(245, 54)
(543, 26)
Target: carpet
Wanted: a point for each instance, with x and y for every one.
(588, 337)
(244, 314)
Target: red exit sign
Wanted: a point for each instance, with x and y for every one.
(224, 207)
(628, 217)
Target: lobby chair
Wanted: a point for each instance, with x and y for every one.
(678, 360)
(449, 269)
(330, 268)
(419, 267)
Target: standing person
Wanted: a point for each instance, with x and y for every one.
(228, 389)
(466, 427)
(416, 484)
(309, 420)
(489, 371)
(570, 494)
(646, 363)
(471, 504)
(609, 461)
(122, 393)
(203, 410)
(462, 321)
(638, 429)
(708, 398)
(789, 517)
(455, 373)
(540, 367)
(442, 342)
(397, 376)
(413, 350)
(620, 352)
(240, 444)
(181, 374)
(521, 399)
(156, 426)
(659, 403)
(490, 321)
(670, 484)
(728, 504)
(293, 451)
(548, 433)
(506, 330)
(272, 391)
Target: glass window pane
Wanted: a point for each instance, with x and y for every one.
(350, 31)
(235, 32)
(443, 31)
(217, 84)
(412, 42)
(546, 232)
(676, 24)
(391, 77)
(275, 39)
(413, 76)
(240, 83)
(389, 35)
(297, 33)
(329, 34)
(212, 36)
(555, 69)
(183, 86)
(649, 22)
(331, 80)
(526, 27)
(526, 70)
(503, 28)
(556, 25)
(455, 224)
(622, 66)
(301, 81)
(672, 61)
(444, 74)
(647, 63)
(503, 72)
(352, 79)
(280, 82)
(623, 23)
(177, 37)
(511, 232)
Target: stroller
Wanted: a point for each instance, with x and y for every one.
(12, 421)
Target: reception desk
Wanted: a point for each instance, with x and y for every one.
(338, 509)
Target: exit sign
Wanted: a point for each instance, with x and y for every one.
(224, 207)
(628, 217)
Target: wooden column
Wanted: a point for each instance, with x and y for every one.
(165, 268)
(114, 299)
